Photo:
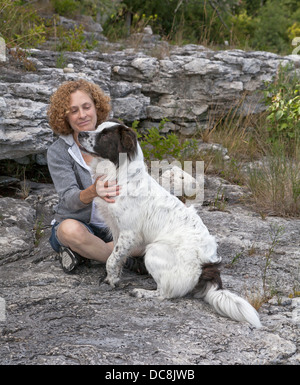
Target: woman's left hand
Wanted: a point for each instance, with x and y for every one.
(107, 189)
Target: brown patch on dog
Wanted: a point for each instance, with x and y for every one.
(115, 140)
(210, 273)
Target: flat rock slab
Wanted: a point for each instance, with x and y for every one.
(56, 318)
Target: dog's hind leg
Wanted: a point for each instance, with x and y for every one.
(123, 247)
(173, 277)
(158, 260)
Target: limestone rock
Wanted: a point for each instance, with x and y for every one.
(16, 232)
(185, 86)
(49, 317)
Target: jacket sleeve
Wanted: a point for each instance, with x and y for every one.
(61, 168)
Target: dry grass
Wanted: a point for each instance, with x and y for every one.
(256, 299)
(270, 172)
(275, 185)
(235, 131)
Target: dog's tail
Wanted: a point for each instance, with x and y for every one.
(223, 301)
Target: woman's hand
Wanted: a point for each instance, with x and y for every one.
(106, 189)
(100, 188)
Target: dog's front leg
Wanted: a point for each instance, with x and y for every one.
(120, 252)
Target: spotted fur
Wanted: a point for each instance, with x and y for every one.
(180, 253)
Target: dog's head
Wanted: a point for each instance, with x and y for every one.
(109, 140)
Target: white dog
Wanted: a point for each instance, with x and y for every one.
(180, 254)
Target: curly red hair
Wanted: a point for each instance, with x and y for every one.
(60, 104)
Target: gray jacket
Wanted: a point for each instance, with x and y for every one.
(70, 175)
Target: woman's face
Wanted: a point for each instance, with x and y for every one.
(82, 115)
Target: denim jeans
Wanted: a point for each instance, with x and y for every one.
(100, 232)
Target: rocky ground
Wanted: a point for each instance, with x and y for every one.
(55, 318)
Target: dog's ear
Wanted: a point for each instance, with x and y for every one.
(128, 141)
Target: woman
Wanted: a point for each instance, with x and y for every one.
(77, 229)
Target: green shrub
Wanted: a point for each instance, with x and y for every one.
(180, 21)
(264, 25)
(20, 24)
(169, 147)
(243, 27)
(65, 7)
(271, 24)
(74, 40)
(283, 100)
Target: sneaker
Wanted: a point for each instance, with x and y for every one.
(136, 264)
(69, 259)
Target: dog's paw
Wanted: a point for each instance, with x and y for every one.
(136, 293)
(112, 281)
(142, 293)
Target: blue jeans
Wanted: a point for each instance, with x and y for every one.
(100, 232)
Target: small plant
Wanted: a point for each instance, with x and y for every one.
(24, 191)
(236, 258)
(295, 294)
(65, 7)
(39, 231)
(275, 184)
(158, 146)
(220, 202)
(20, 56)
(20, 24)
(61, 61)
(283, 100)
(256, 297)
(284, 116)
(74, 40)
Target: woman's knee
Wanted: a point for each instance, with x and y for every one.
(71, 231)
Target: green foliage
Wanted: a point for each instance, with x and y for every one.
(191, 21)
(65, 7)
(283, 100)
(20, 24)
(269, 25)
(263, 25)
(74, 40)
(284, 115)
(272, 23)
(294, 31)
(158, 146)
(61, 61)
(243, 27)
